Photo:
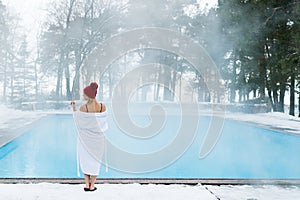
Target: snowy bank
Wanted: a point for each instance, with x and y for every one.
(13, 121)
(11, 118)
(49, 191)
(273, 120)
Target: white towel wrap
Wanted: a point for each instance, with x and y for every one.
(90, 141)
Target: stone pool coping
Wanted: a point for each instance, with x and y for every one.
(166, 181)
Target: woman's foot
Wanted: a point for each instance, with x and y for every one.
(87, 187)
(90, 189)
(93, 189)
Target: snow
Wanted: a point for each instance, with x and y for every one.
(247, 192)
(272, 120)
(49, 191)
(10, 119)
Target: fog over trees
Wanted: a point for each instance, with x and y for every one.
(254, 44)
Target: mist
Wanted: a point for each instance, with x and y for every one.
(53, 64)
(161, 64)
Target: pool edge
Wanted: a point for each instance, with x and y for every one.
(202, 181)
(15, 133)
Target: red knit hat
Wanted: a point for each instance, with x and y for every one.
(91, 90)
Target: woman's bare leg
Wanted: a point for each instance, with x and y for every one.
(87, 180)
(93, 180)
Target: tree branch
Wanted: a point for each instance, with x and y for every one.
(277, 9)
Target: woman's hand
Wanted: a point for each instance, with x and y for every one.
(73, 105)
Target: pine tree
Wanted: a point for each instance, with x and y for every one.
(24, 76)
(3, 50)
(260, 33)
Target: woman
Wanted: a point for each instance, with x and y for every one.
(91, 124)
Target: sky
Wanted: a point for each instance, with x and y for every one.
(33, 11)
(32, 14)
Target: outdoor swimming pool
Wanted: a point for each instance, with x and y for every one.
(243, 151)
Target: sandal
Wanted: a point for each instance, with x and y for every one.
(91, 190)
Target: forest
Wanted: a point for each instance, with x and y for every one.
(255, 45)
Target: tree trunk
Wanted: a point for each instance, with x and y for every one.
(157, 90)
(174, 78)
(281, 97)
(292, 94)
(299, 103)
(5, 77)
(173, 84)
(64, 56)
(36, 79)
(4, 83)
(67, 75)
(262, 76)
(180, 83)
(200, 90)
(233, 80)
(68, 85)
(58, 84)
(167, 78)
(59, 78)
(12, 82)
(271, 100)
(76, 81)
(254, 93)
(275, 100)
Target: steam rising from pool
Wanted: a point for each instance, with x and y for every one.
(143, 76)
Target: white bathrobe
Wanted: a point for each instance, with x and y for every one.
(91, 141)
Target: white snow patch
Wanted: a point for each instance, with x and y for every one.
(12, 119)
(246, 192)
(281, 121)
(47, 191)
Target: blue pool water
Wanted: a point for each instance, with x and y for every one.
(242, 151)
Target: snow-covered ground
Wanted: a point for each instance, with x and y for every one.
(247, 192)
(50, 191)
(274, 120)
(11, 119)
(46, 191)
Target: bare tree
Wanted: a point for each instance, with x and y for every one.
(74, 29)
